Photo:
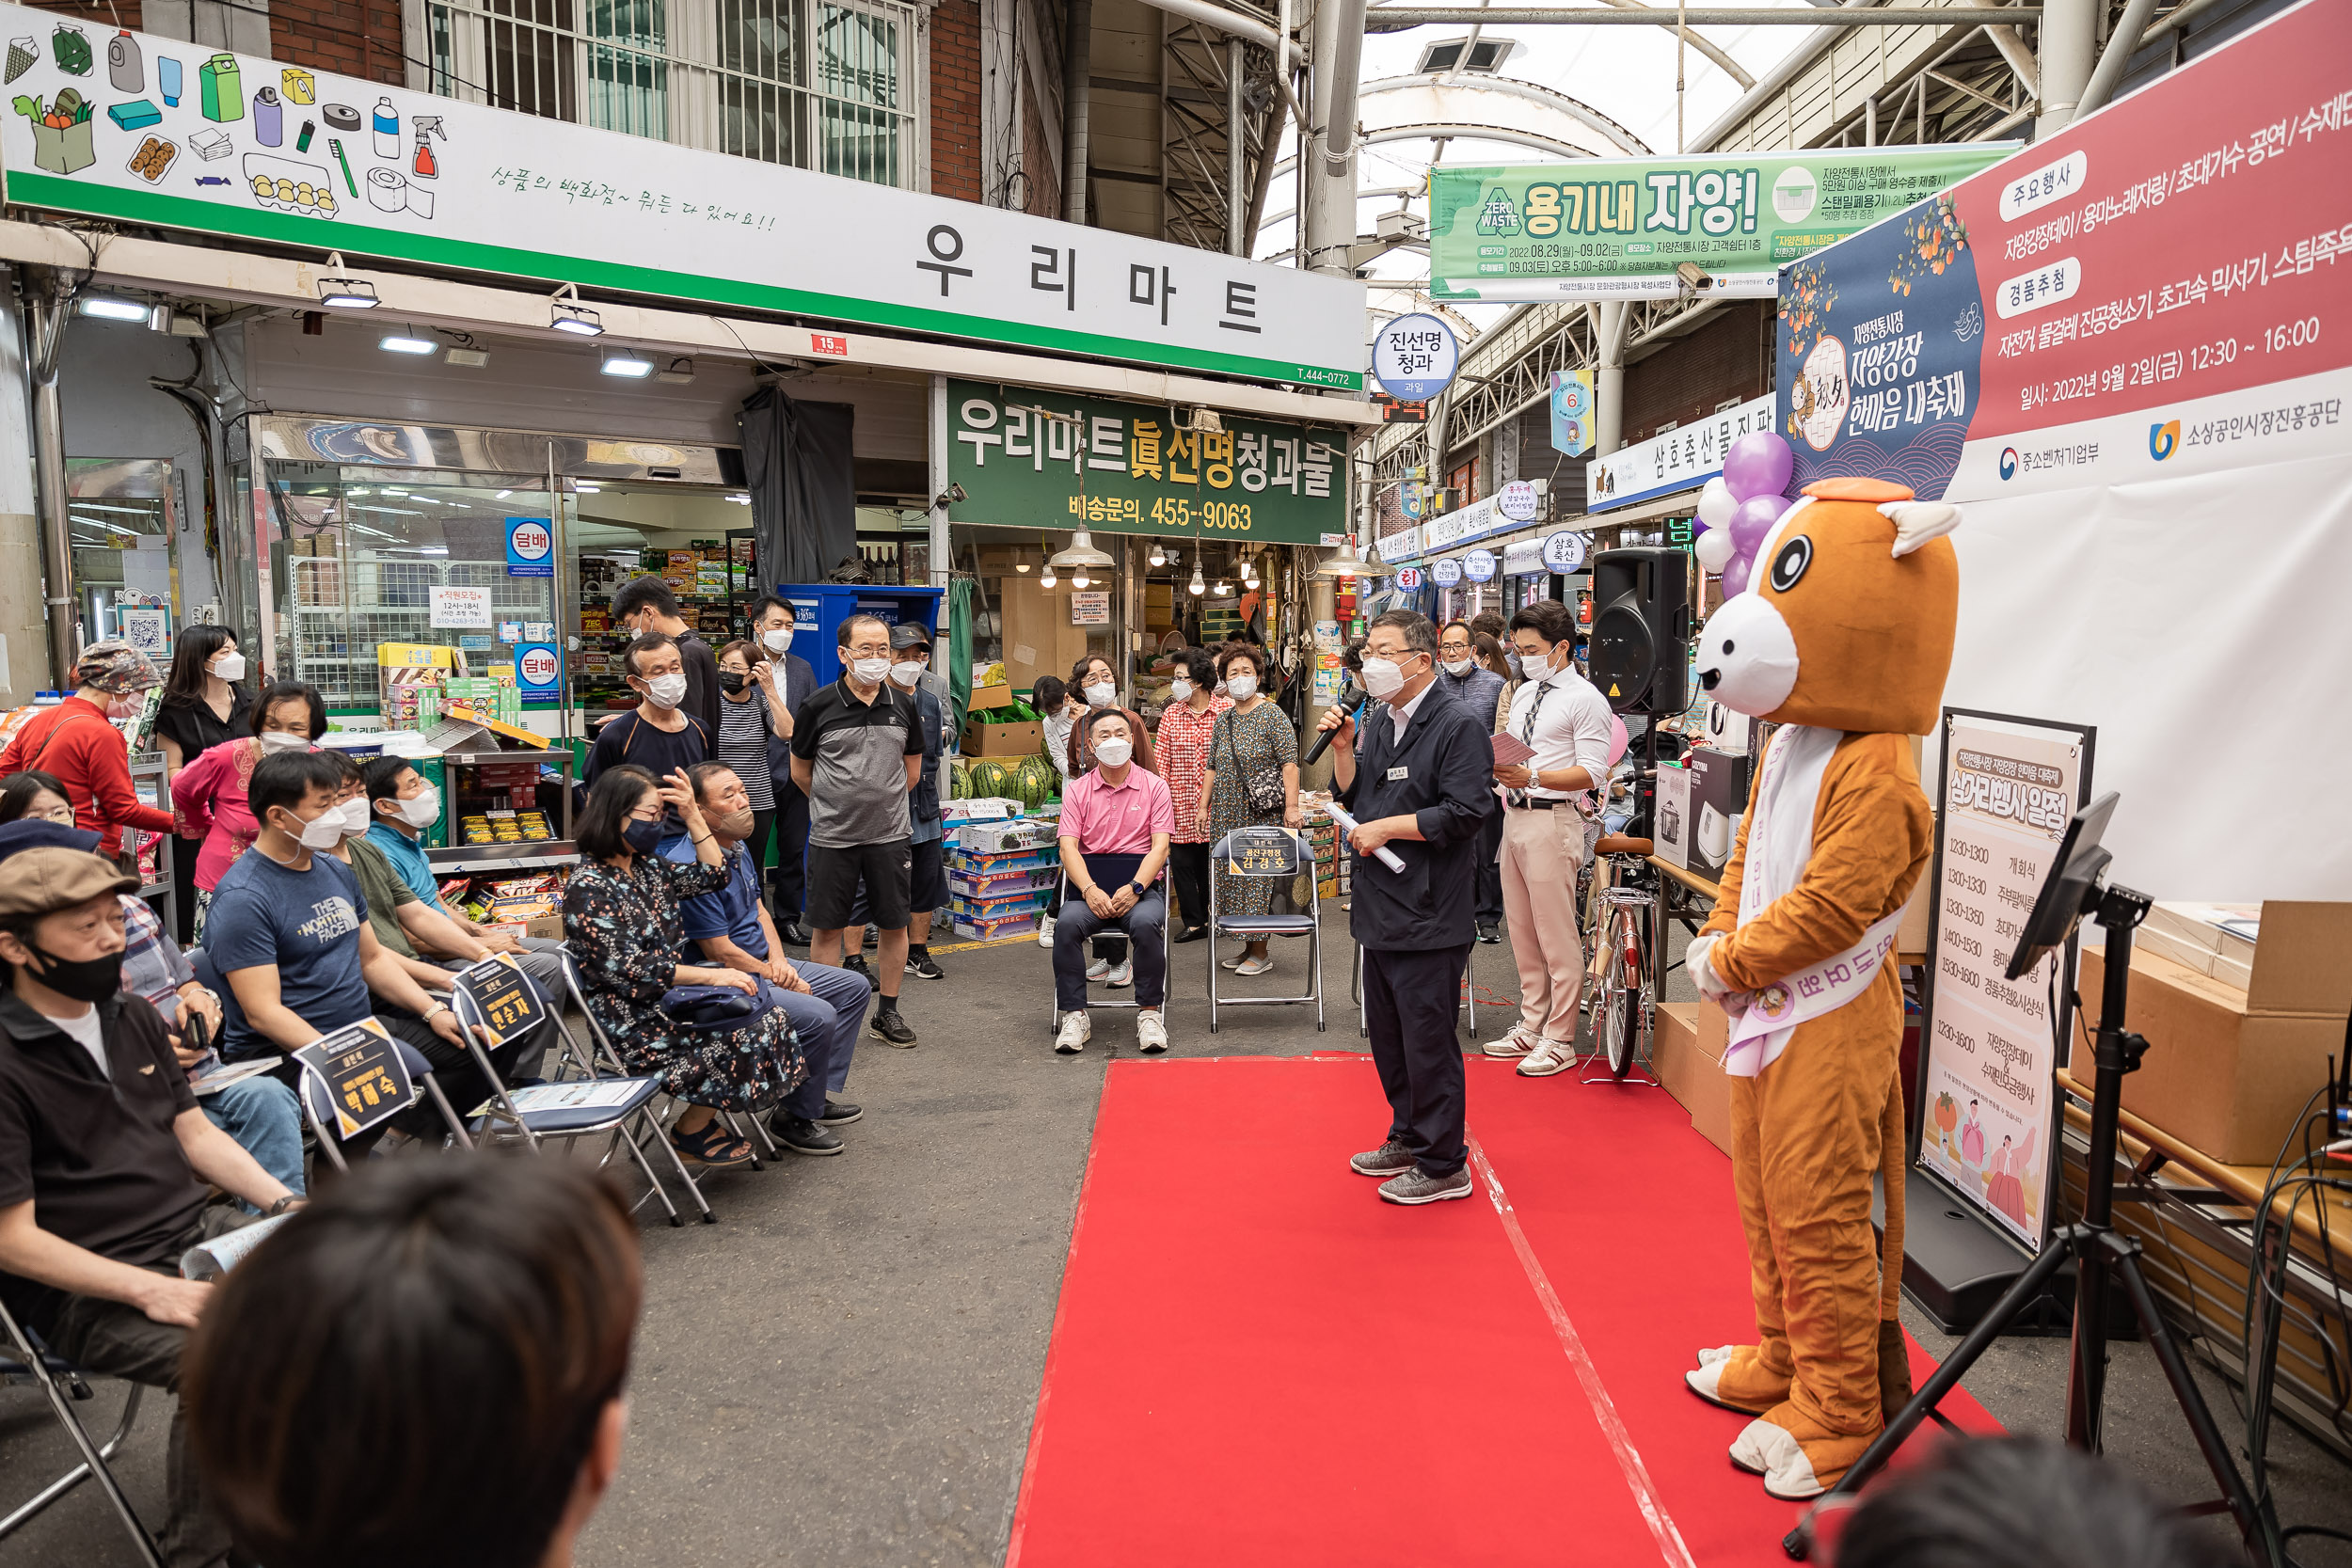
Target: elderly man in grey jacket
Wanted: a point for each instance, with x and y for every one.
(1479, 690)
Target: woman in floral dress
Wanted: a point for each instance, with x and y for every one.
(621, 918)
(1253, 744)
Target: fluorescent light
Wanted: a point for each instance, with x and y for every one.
(740, 501)
(396, 343)
(587, 489)
(470, 358)
(121, 511)
(390, 512)
(627, 365)
(502, 495)
(114, 308)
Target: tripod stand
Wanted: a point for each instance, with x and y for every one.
(2097, 1252)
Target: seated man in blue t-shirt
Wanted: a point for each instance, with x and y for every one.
(731, 927)
(288, 932)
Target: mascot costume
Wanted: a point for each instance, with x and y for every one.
(1844, 637)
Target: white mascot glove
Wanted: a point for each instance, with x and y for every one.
(1694, 962)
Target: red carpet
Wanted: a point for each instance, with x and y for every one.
(1255, 1361)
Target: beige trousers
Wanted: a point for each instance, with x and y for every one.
(1541, 853)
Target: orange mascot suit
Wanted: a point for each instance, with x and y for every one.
(1844, 637)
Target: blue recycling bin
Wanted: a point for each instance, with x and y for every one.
(820, 608)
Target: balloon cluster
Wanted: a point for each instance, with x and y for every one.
(1738, 509)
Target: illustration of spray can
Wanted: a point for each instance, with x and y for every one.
(168, 77)
(386, 130)
(269, 124)
(124, 67)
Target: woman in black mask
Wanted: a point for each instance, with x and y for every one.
(745, 732)
(621, 920)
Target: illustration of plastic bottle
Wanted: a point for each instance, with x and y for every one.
(124, 67)
(269, 122)
(386, 130)
(168, 77)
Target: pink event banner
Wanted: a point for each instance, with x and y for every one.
(2153, 291)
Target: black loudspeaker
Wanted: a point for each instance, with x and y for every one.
(1641, 657)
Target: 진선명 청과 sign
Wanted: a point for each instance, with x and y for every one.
(1055, 460)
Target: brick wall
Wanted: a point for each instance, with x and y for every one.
(357, 38)
(1730, 356)
(1038, 157)
(956, 100)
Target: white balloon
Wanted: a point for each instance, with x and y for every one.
(1714, 548)
(1717, 503)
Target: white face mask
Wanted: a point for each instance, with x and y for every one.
(778, 640)
(1383, 677)
(1181, 690)
(1241, 688)
(873, 672)
(1102, 694)
(666, 692)
(907, 674)
(1114, 754)
(354, 816)
(323, 831)
(1459, 667)
(283, 740)
(420, 810)
(229, 667)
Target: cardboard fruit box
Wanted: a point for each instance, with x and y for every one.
(987, 737)
(2229, 1071)
(1688, 1052)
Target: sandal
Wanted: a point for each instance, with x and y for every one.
(712, 1147)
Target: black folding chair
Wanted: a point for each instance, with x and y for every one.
(24, 1360)
(650, 1127)
(1276, 855)
(1062, 894)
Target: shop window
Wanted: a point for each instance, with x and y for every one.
(119, 527)
(815, 83)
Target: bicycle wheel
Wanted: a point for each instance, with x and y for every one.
(1609, 1001)
(1625, 1013)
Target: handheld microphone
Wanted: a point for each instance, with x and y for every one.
(1350, 695)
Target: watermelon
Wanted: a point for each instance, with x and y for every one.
(988, 779)
(959, 780)
(1032, 781)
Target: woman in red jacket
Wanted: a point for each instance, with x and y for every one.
(77, 741)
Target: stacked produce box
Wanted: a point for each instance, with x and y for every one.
(1331, 857)
(1001, 876)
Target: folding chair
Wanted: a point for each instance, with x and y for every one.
(506, 1121)
(318, 1109)
(1275, 855)
(1062, 895)
(24, 1359)
(650, 1127)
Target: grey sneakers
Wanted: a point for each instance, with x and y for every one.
(1416, 1186)
(1389, 1159)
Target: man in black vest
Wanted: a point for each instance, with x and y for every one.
(1420, 781)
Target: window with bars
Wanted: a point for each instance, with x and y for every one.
(817, 84)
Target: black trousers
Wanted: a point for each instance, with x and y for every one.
(789, 883)
(1188, 864)
(763, 823)
(1411, 998)
(1489, 890)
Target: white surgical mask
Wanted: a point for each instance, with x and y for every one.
(1102, 694)
(1181, 690)
(873, 672)
(907, 674)
(323, 831)
(354, 816)
(283, 740)
(1241, 688)
(1114, 752)
(421, 810)
(1459, 667)
(229, 667)
(777, 641)
(1383, 678)
(666, 691)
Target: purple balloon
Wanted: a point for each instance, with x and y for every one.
(1758, 463)
(1735, 574)
(1754, 520)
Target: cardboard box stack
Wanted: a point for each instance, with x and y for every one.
(1001, 874)
(1686, 1049)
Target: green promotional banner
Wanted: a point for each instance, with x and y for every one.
(1618, 228)
(1055, 460)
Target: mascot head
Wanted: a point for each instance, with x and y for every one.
(1847, 623)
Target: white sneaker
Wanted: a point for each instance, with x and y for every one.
(1254, 966)
(1123, 973)
(1150, 1034)
(1518, 1042)
(1045, 930)
(1076, 1029)
(1549, 1056)
(1098, 969)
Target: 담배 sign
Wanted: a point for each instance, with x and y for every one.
(458, 609)
(529, 549)
(360, 1068)
(1986, 1089)
(539, 673)
(1414, 357)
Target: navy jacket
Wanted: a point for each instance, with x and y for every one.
(923, 801)
(799, 679)
(1444, 768)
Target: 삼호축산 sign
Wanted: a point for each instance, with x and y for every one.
(1055, 460)
(1620, 227)
(2143, 296)
(178, 135)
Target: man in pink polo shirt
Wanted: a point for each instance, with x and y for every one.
(1116, 822)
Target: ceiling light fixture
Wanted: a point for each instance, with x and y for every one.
(1048, 579)
(468, 359)
(1020, 566)
(627, 365)
(677, 371)
(401, 343)
(1198, 586)
(1223, 588)
(1081, 552)
(568, 314)
(587, 489)
(1078, 578)
(1348, 563)
(501, 495)
(1159, 556)
(114, 308)
(346, 293)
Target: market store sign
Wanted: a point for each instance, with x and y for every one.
(1446, 573)
(1674, 461)
(446, 183)
(530, 547)
(1403, 544)
(1414, 357)
(539, 674)
(1479, 566)
(1030, 459)
(1565, 551)
(1618, 228)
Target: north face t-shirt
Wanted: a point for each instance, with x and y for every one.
(306, 923)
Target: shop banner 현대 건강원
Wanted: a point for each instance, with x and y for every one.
(149, 129)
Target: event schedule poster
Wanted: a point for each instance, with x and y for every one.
(2152, 292)
(1986, 1073)
(1618, 228)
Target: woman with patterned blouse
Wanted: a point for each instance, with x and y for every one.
(621, 918)
(1252, 781)
(1186, 724)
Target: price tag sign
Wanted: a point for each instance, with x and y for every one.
(365, 1078)
(509, 1003)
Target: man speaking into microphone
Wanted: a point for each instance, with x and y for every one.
(1419, 780)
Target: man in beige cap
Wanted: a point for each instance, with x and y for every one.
(105, 1158)
(76, 741)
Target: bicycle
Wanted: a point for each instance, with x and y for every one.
(1623, 1001)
